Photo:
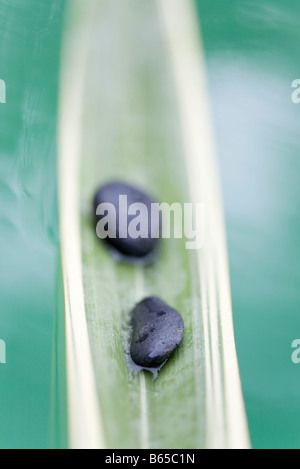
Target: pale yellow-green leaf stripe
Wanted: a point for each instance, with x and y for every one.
(226, 420)
(83, 410)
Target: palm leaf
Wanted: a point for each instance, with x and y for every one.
(134, 106)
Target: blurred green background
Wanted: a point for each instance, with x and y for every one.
(252, 57)
(30, 39)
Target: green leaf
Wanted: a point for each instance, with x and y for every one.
(134, 106)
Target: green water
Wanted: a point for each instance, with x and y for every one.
(252, 51)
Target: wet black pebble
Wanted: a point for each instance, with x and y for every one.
(137, 250)
(157, 331)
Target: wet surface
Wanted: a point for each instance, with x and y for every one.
(157, 331)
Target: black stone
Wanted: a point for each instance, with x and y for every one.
(138, 250)
(157, 331)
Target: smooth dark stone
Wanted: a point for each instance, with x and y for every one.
(157, 331)
(138, 250)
